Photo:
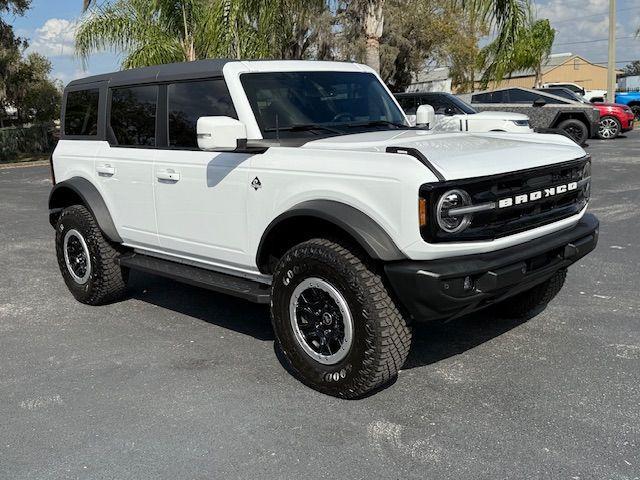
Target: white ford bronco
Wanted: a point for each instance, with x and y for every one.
(303, 186)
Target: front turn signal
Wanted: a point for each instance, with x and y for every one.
(422, 212)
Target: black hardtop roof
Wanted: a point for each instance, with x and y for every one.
(157, 73)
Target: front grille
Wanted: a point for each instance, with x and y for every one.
(499, 222)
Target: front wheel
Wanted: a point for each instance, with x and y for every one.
(636, 111)
(576, 129)
(609, 127)
(336, 324)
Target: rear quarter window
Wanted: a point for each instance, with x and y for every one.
(81, 113)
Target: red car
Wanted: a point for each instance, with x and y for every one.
(615, 118)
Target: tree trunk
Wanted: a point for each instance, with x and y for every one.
(538, 79)
(373, 28)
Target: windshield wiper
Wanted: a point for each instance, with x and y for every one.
(302, 128)
(375, 123)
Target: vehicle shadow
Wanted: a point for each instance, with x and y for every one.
(432, 342)
(211, 307)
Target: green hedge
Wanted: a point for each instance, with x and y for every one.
(15, 141)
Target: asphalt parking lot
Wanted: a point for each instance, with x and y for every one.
(180, 383)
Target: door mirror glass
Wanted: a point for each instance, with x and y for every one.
(426, 116)
(220, 133)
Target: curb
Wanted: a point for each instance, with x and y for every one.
(38, 163)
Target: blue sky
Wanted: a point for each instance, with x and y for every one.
(580, 24)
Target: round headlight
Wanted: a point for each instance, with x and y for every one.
(451, 200)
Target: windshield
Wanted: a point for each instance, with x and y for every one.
(295, 104)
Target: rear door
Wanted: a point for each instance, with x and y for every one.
(200, 196)
(124, 164)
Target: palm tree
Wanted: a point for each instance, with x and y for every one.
(530, 50)
(507, 16)
(148, 32)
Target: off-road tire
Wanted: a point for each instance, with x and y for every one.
(381, 335)
(576, 129)
(526, 304)
(107, 281)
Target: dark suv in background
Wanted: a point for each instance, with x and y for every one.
(614, 117)
(546, 112)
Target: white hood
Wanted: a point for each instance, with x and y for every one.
(499, 116)
(464, 155)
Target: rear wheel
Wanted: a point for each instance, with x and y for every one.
(337, 326)
(609, 127)
(576, 129)
(87, 260)
(636, 111)
(530, 302)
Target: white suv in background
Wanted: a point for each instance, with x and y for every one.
(453, 114)
(591, 96)
(301, 185)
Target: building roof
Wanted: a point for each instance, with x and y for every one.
(554, 61)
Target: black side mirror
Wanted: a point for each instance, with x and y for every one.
(539, 102)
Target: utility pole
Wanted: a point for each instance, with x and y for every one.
(611, 73)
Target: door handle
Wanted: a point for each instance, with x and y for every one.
(105, 170)
(168, 175)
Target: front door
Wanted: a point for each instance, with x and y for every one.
(201, 196)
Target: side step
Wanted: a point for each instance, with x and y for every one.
(199, 277)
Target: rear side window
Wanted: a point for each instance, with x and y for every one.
(133, 116)
(489, 97)
(522, 96)
(189, 101)
(81, 113)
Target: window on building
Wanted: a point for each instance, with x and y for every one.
(81, 113)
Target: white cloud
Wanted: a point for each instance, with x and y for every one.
(55, 38)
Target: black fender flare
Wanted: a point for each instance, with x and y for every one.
(90, 197)
(362, 228)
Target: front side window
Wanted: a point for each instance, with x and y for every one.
(306, 104)
(133, 116)
(446, 104)
(408, 104)
(189, 101)
(81, 113)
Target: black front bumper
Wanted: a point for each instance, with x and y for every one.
(449, 287)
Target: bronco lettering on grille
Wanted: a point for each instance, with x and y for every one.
(537, 195)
